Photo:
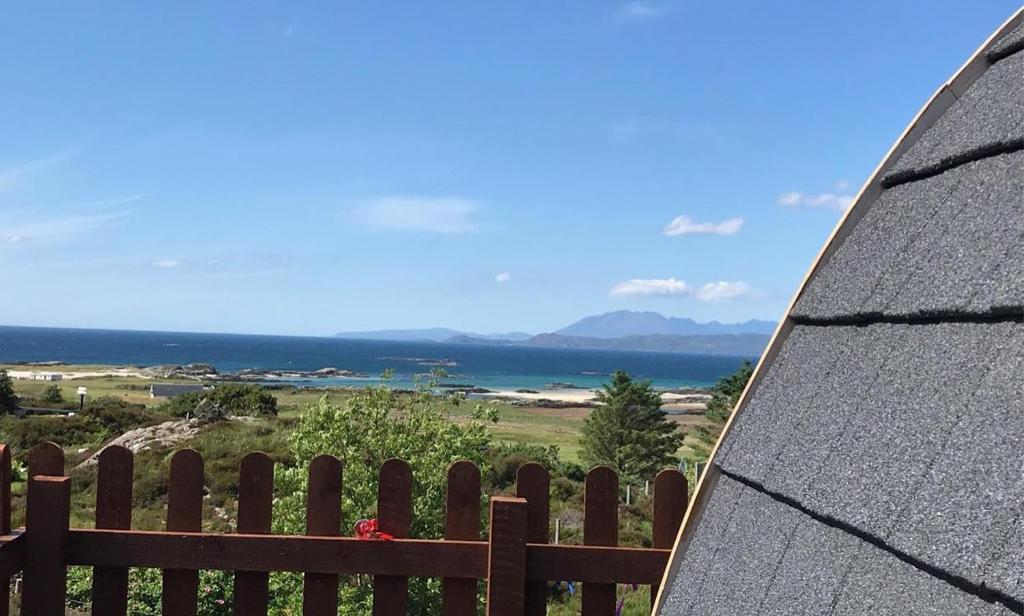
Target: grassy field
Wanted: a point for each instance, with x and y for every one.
(223, 444)
(522, 424)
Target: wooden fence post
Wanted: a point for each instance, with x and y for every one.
(323, 518)
(506, 557)
(47, 517)
(5, 521)
(670, 497)
(600, 527)
(461, 522)
(113, 511)
(46, 459)
(184, 514)
(534, 485)
(394, 505)
(255, 509)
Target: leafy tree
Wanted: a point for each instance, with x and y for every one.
(53, 395)
(8, 400)
(363, 432)
(628, 431)
(724, 396)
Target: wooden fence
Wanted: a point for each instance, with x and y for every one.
(515, 560)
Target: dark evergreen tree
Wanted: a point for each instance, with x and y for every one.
(724, 396)
(629, 432)
(8, 400)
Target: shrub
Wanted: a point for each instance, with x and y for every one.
(231, 398)
(53, 395)
(363, 432)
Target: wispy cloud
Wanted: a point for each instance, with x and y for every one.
(683, 225)
(718, 291)
(446, 215)
(166, 263)
(290, 30)
(503, 277)
(15, 172)
(640, 9)
(650, 286)
(837, 199)
(709, 292)
(58, 229)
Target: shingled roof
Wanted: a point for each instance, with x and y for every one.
(875, 464)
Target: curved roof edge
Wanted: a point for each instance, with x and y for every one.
(940, 101)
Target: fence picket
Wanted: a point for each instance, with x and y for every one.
(46, 532)
(394, 504)
(670, 497)
(5, 521)
(461, 522)
(113, 511)
(600, 527)
(255, 509)
(46, 459)
(534, 484)
(506, 557)
(184, 513)
(323, 519)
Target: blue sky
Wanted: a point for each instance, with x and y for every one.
(306, 168)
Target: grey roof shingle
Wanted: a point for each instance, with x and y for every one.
(877, 464)
(988, 115)
(938, 246)
(882, 585)
(1010, 43)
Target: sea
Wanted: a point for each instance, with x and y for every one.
(497, 367)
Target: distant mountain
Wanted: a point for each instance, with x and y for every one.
(433, 334)
(477, 340)
(707, 344)
(628, 323)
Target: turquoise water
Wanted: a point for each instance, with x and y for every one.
(493, 367)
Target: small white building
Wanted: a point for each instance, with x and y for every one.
(47, 376)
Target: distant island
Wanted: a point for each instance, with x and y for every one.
(621, 330)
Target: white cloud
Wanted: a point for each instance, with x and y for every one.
(650, 286)
(290, 30)
(503, 277)
(640, 9)
(717, 291)
(682, 225)
(59, 228)
(826, 200)
(166, 263)
(449, 215)
(12, 174)
(710, 292)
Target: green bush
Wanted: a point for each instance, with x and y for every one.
(363, 432)
(231, 398)
(53, 394)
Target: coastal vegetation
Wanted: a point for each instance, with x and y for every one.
(8, 399)
(724, 396)
(363, 426)
(628, 431)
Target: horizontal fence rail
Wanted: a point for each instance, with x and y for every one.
(515, 559)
